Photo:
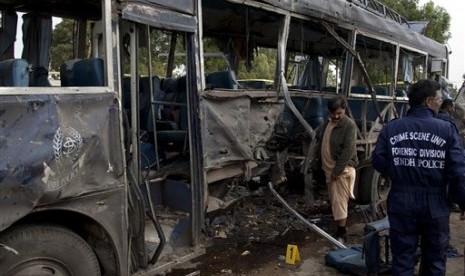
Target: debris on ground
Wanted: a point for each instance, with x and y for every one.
(256, 229)
(258, 217)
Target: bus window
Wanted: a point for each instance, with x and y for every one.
(248, 41)
(379, 59)
(218, 66)
(55, 51)
(411, 68)
(82, 63)
(317, 58)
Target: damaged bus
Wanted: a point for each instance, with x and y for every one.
(120, 132)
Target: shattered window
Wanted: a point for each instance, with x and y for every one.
(47, 50)
(315, 58)
(410, 69)
(240, 46)
(379, 59)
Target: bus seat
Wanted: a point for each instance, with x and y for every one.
(400, 93)
(82, 72)
(222, 79)
(355, 108)
(331, 89)
(172, 140)
(146, 119)
(14, 72)
(39, 77)
(381, 90)
(371, 115)
(147, 155)
(313, 110)
(175, 91)
(359, 90)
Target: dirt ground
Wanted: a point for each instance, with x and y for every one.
(252, 238)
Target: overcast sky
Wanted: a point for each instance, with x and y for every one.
(456, 9)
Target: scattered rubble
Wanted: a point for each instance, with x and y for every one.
(255, 228)
(258, 217)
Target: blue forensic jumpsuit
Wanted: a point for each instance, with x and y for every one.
(420, 153)
(443, 115)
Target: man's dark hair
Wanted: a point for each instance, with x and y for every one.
(421, 90)
(446, 104)
(337, 102)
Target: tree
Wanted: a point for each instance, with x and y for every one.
(62, 44)
(438, 17)
(438, 28)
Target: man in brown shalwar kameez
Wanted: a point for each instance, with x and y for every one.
(336, 149)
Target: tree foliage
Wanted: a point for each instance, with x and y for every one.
(438, 28)
(62, 44)
(438, 17)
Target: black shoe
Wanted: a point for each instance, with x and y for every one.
(342, 238)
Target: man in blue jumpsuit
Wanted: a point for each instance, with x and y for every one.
(446, 111)
(421, 153)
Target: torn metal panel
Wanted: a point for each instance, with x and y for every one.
(158, 17)
(236, 129)
(185, 6)
(55, 147)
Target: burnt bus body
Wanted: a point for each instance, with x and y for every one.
(119, 159)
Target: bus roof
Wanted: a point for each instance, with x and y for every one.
(342, 13)
(361, 18)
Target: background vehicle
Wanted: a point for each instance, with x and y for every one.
(118, 163)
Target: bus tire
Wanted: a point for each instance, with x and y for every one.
(46, 250)
(373, 187)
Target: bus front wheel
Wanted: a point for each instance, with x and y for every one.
(46, 250)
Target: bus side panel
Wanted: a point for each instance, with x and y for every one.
(237, 129)
(55, 147)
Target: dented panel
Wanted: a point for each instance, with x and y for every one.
(237, 129)
(55, 147)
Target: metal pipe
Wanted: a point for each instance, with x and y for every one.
(280, 78)
(157, 225)
(361, 64)
(312, 226)
(152, 99)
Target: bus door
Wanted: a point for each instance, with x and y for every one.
(159, 53)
